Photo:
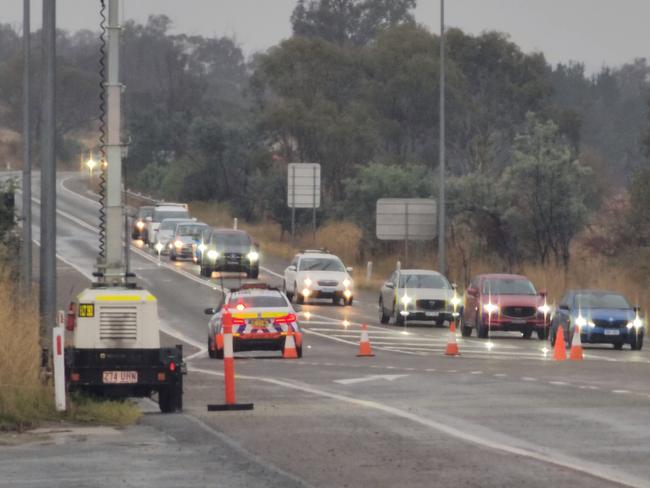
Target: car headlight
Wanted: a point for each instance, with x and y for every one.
(545, 309)
(212, 254)
(202, 247)
(159, 246)
(347, 293)
(306, 292)
(307, 282)
(347, 283)
(253, 256)
(491, 308)
(582, 322)
(139, 225)
(178, 243)
(637, 323)
(406, 300)
(455, 301)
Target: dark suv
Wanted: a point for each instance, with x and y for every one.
(139, 226)
(230, 250)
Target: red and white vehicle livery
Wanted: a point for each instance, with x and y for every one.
(261, 318)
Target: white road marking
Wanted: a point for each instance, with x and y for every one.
(536, 453)
(476, 372)
(528, 378)
(558, 383)
(374, 377)
(500, 375)
(621, 392)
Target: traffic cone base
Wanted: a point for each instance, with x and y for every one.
(452, 345)
(290, 346)
(365, 351)
(559, 351)
(576, 346)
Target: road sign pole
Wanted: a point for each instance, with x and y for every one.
(48, 172)
(441, 195)
(313, 216)
(406, 235)
(27, 156)
(293, 205)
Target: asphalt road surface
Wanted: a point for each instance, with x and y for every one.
(499, 416)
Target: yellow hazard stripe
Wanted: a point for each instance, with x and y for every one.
(270, 315)
(264, 315)
(249, 315)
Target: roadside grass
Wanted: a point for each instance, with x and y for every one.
(26, 393)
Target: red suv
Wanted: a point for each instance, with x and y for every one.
(504, 302)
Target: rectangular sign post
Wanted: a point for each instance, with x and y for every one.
(59, 363)
(303, 191)
(407, 219)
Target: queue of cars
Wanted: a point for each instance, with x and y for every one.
(490, 303)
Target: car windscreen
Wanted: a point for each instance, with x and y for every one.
(193, 231)
(167, 225)
(259, 301)
(160, 215)
(230, 240)
(423, 281)
(600, 300)
(508, 286)
(145, 212)
(321, 264)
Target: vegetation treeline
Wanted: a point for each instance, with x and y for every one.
(536, 153)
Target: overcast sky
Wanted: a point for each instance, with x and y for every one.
(597, 32)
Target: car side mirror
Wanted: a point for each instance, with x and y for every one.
(543, 293)
(637, 309)
(291, 268)
(564, 306)
(210, 311)
(349, 269)
(454, 286)
(389, 284)
(472, 292)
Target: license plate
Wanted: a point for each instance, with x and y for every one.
(326, 289)
(431, 314)
(258, 323)
(120, 377)
(612, 332)
(518, 321)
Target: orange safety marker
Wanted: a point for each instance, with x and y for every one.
(290, 345)
(452, 345)
(228, 370)
(576, 345)
(559, 351)
(365, 351)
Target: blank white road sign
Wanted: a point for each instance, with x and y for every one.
(303, 185)
(412, 219)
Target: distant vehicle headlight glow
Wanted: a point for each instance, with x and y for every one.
(406, 300)
(491, 308)
(581, 321)
(139, 224)
(202, 247)
(306, 292)
(253, 256)
(455, 300)
(307, 282)
(178, 243)
(212, 254)
(159, 247)
(347, 283)
(637, 323)
(347, 293)
(545, 309)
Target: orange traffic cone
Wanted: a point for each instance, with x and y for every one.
(365, 351)
(289, 345)
(452, 345)
(559, 351)
(576, 345)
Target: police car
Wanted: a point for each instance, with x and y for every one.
(261, 318)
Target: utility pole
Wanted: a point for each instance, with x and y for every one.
(27, 156)
(442, 265)
(48, 173)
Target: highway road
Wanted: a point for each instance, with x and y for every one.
(495, 417)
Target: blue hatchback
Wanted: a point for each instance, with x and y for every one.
(604, 317)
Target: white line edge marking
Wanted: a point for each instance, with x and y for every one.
(548, 456)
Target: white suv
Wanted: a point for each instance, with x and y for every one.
(318, 274)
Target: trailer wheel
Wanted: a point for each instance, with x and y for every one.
(170, 398)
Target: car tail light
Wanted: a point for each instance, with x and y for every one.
(71, 319)
(287, 319)
(74, 377)
(172, 366)
(161, 376)
(238, 321)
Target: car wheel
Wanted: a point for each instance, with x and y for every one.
(299, 351)
(172, 256)
(254, 273)
(399, 318)
(383, 317)
(527, 334)
(481, 329)
(336, 301)
(300, 299)
(636, 341)
(218, 353)
(211, 348)
(348, 302)
(618, 346)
